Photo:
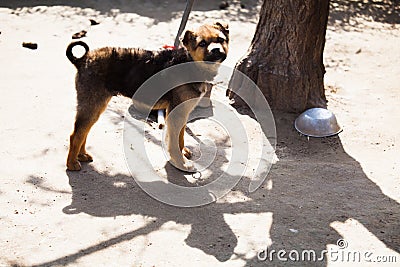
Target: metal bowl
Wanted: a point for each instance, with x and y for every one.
(317, 122)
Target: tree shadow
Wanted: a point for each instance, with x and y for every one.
(159, 10)
(341, 11)
(386, 11)
(314, 184)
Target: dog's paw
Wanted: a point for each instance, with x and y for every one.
(73, 166)
(85, 157)
(189, 167)
(183, 165)
(187, 153)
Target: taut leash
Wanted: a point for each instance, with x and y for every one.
(185, 17)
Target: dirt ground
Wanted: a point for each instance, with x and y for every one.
(319, 190)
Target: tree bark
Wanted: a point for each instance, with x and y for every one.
(285, 58)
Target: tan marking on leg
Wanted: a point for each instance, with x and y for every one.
(83, 156)
(185, 151)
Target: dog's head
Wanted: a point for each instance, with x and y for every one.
(208, 43)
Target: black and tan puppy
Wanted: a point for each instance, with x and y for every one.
(105, 72)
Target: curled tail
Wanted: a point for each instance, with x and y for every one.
(76, 61)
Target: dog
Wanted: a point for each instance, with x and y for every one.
(110, 71)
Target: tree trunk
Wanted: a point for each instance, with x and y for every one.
(285, 58)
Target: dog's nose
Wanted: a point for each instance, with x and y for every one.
(216, 51)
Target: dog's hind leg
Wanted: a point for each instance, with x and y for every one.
(86, 117)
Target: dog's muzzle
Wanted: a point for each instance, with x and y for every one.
(216, 53)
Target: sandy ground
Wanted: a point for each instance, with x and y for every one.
(319, 190)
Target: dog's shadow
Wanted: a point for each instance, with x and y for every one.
(96, 194)
(152, 118)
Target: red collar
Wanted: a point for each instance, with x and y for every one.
(170, 47)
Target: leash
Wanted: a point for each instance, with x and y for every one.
(185, 17)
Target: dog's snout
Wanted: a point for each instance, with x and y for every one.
(216, 53)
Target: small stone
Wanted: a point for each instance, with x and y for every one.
(93, 22)
(30, 45)
(79, 35)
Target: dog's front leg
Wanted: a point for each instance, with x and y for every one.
(175, 127)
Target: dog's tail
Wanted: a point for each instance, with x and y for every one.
(76, 61)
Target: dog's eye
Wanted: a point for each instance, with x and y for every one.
(203, 44)
(220, 40)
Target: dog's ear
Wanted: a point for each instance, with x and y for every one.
(189, 36)
(224, 27)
